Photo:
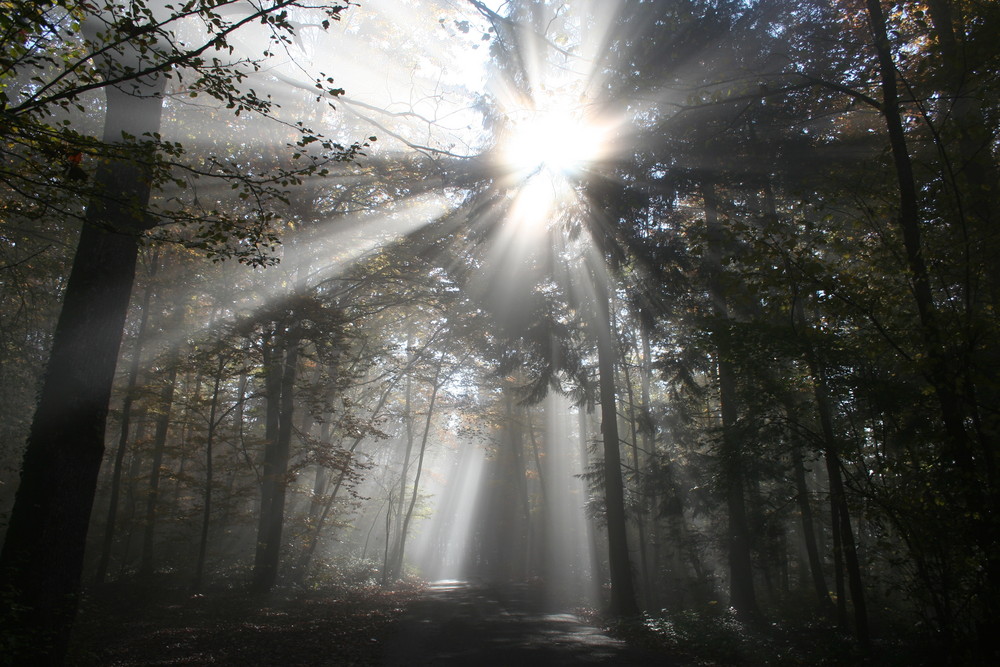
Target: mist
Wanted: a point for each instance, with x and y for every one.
(616, 332)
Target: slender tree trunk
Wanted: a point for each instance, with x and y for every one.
(623, 600)
(320, 481)
(206, 515)
(640, 519)
(385, 549)
(405, 468)
(595, 551)
(741, 585)
(843, 526)
(838, 562)
(272, 356)
(130, 489)
(164, 407)
(302, 567)
(523, 537)
(371, 529)
(647, 435)
(809, 531)
(943, 381)
(838, 499)
(42, 557)
(130, 391)
(535, 456)
(398, 567)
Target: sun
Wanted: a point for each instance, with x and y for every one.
(544, 155)
(558, 141)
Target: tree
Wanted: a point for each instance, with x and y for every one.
(134, 52)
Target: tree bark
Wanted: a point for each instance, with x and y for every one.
(275, 473)
(640, 520)
(974, 171)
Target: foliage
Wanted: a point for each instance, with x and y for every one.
(60, 55)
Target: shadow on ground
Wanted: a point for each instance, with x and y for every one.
(460, 623)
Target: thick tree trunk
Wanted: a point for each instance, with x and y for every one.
(275, 473)
(42, 558)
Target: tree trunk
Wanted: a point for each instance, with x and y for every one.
(405, 468)
(312, 540)
(623, 600)
(838, 562)
(130, 390)
(908, 220)
(741, 586)
(275, 473)
(165, 405)
(523, 538)
(320, 481)
(640, 519)
(648, 437)
(206, 514)
(42, 556)
(809, 531)
(838, 499)
(592, 534)
(975, 173)
(398, 565)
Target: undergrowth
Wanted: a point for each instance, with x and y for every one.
(712, 637)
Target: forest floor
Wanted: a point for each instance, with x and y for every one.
(479, 625)
(322, 628)
(455, 624)
(445, 624)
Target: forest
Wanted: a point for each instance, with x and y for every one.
(652, 331)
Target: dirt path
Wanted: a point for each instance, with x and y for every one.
(489, 626)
